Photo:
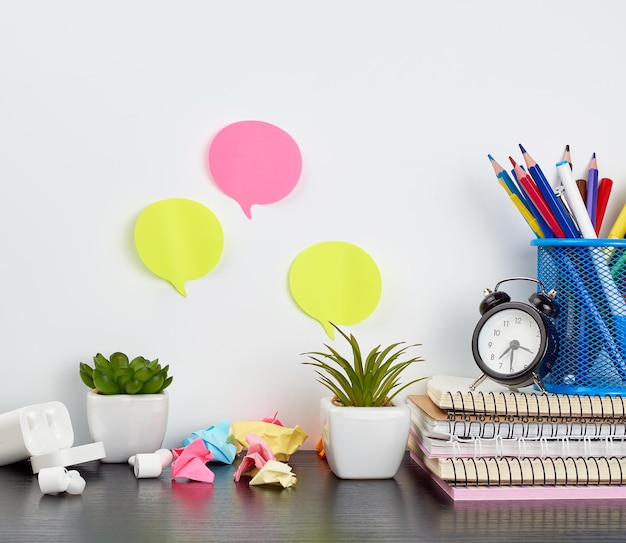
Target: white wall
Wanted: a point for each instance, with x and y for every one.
(107, 108)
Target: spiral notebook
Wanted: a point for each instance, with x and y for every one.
(452, 393)
(459, 447)
(437, 423)
(524, 471)
(466, 493)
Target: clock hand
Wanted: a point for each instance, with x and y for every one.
(513, 349)
(525, 349)
(507, 350)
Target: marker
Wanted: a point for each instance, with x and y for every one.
(575, 200)
(592, 189)
(551, 200)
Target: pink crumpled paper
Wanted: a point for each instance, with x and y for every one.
(260, 464)
(190, 462)
(256, 457)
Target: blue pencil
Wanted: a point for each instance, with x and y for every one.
(560, 213)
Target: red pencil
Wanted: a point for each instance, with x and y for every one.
(536, 198)
(604, 191)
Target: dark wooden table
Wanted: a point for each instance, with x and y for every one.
(117, 507)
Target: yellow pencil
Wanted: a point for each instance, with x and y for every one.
(528, 216)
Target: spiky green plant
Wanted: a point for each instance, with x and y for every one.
(365, 381)
(118, 375)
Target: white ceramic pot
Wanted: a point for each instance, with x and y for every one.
(127, 424)
(364, 442)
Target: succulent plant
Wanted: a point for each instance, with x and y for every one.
(370, 381)
(118, 375)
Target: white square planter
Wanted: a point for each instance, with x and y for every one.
(364, 442)
(127, 424)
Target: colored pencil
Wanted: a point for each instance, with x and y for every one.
(556, 207)
(568, 157)
(536, 197)
(501, 173)
(547, 232)
(604, 192)
(582, 188)
(528, 216)
(592, 189)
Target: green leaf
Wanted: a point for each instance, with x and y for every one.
(138, 362)
(102, 364)
(142, 374)
(86, 375)
(118, 360)
(133, 386)
(152, 385)
(104, 384)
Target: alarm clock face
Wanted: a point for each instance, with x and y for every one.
(509, 342)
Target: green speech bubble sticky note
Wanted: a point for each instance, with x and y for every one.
(335, 281)
(179, 240)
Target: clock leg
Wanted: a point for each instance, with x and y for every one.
(477, 382)
(538, 383)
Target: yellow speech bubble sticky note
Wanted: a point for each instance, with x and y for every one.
(335, 281)
(179, 240)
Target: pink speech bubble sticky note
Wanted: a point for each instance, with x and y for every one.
(254, 162)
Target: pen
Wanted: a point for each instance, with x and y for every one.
(559, 192)
(534, 194)
(604, 192)
(592, 189)
(528, 216)
(551, 200)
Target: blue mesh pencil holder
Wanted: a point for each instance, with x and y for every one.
(589, 276)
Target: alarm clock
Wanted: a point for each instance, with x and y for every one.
(515, 343)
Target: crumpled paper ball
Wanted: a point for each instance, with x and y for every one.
(218, 439)
(190, 462)
(281, 440)
(274, 473)
(260, 464)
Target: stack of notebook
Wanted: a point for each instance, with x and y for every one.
(494, 444)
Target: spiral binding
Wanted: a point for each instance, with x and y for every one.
(538, 429)
(515, 471)
(548, 447)
(535, 406)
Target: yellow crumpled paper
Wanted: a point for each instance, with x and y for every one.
(274, 472)
(281, 440)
